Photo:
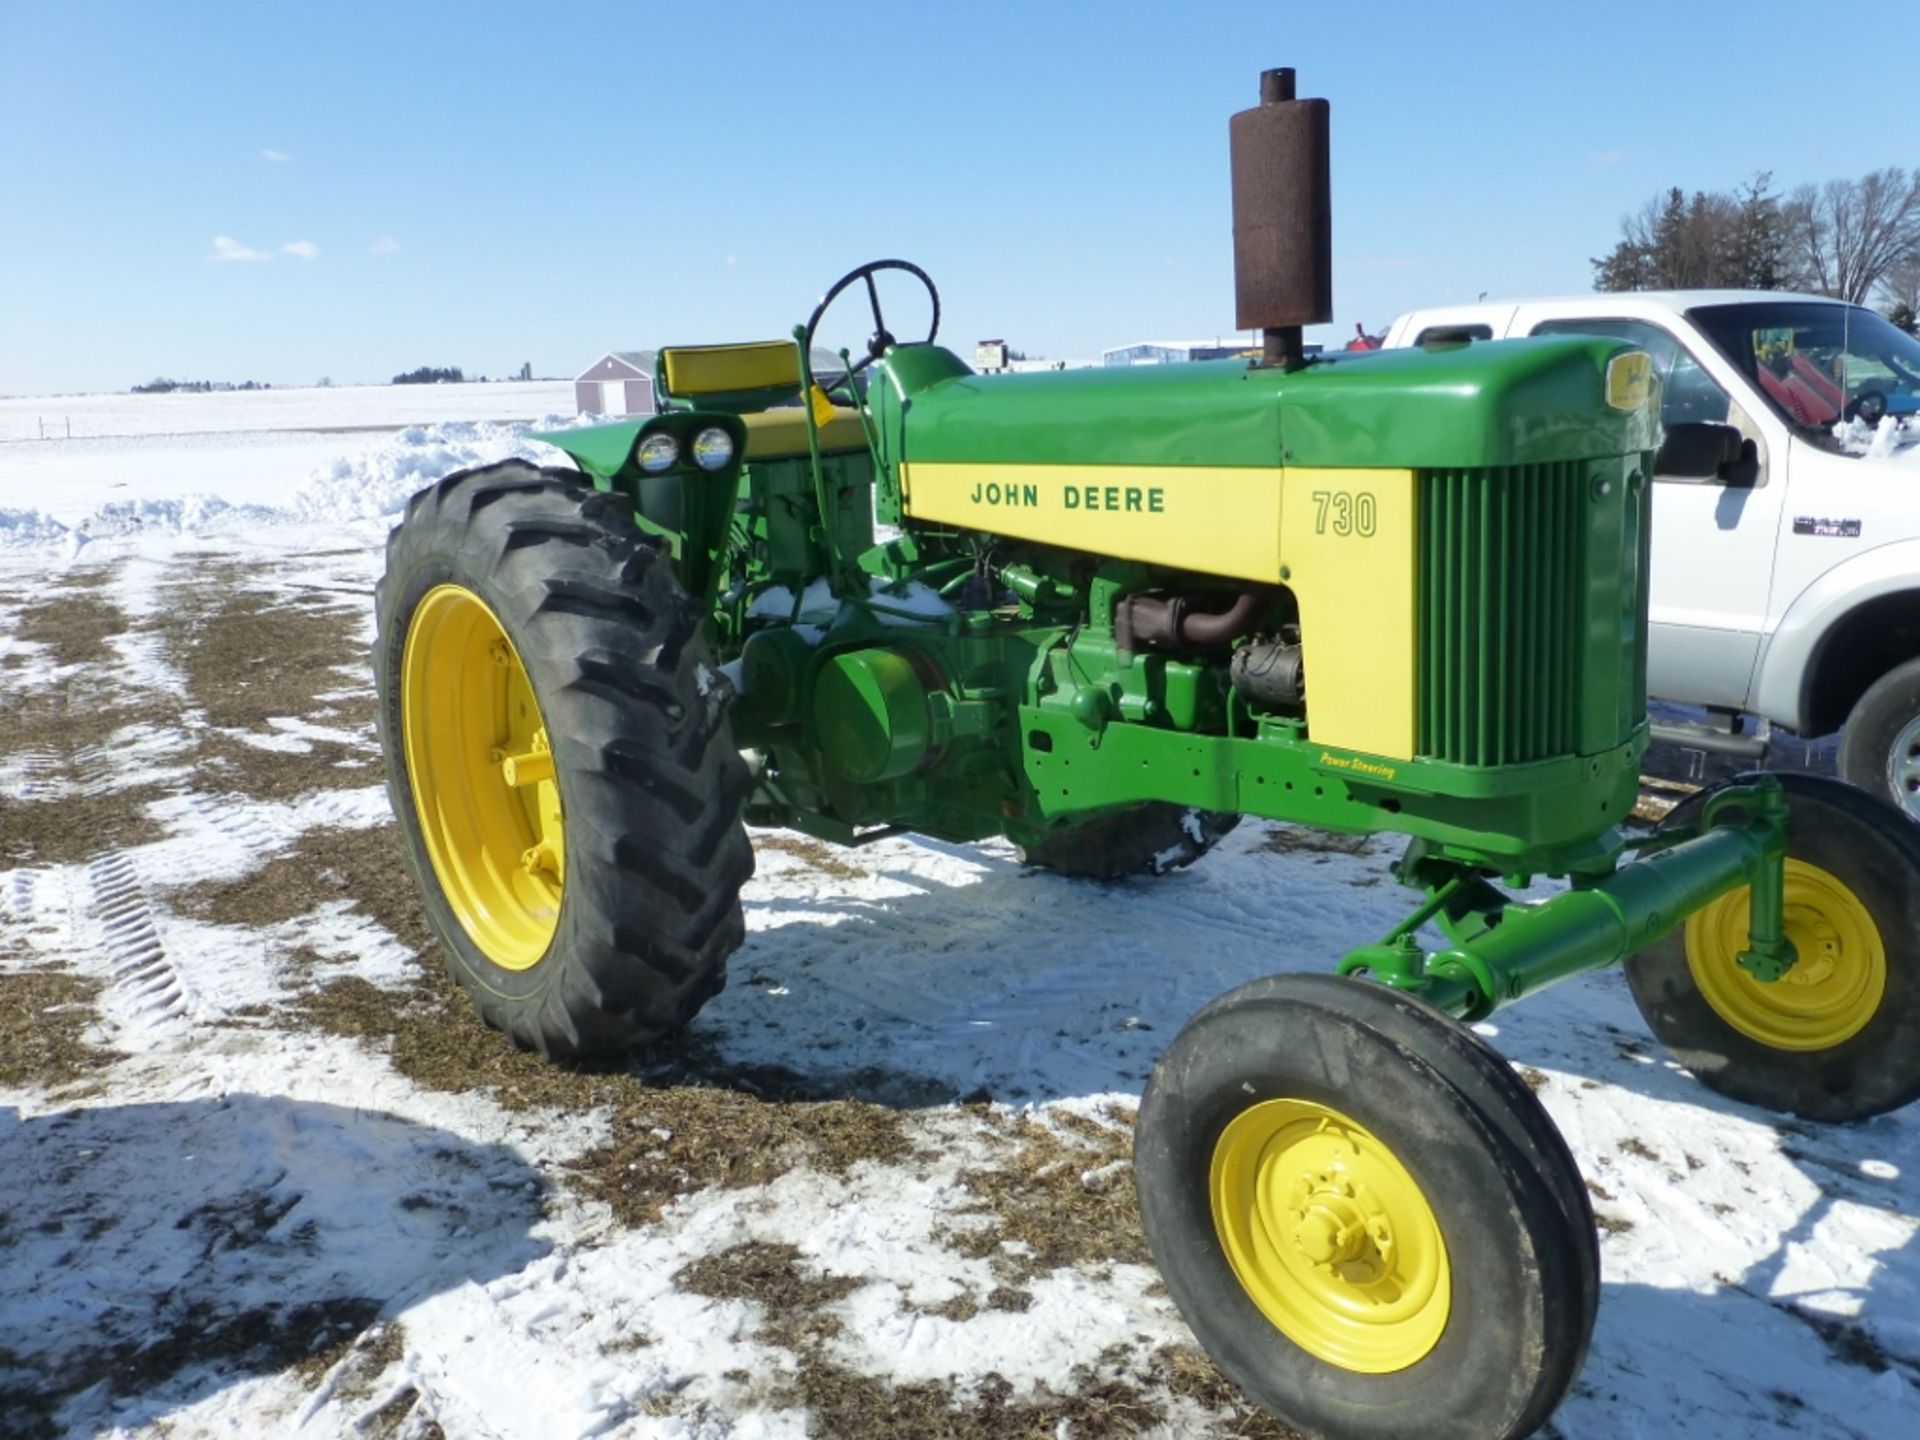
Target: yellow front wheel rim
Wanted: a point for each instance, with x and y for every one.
(481, 770)
(1331, 1236)
(1835, 986)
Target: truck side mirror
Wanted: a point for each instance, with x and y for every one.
(1701, 450)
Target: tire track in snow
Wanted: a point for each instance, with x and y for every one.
(153, 999)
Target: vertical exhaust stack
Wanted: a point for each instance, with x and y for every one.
(1282, 218)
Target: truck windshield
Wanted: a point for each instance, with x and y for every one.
(1819, 364)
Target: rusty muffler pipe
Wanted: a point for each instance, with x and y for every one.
(1282, 218)
(1149, 622)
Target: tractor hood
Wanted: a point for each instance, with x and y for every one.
(1500, 403)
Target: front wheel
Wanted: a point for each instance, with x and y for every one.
(1880, 751)
(1365, 1216)
(558, 760)
(1838, 1036)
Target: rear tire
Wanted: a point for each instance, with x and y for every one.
(1149, 839)
(1880, 749)
(1233, 1176)
(1838, 1037)
(637, 907)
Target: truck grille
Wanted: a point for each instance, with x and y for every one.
(1524, 579)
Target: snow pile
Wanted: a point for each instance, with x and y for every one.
(378, 480)
(1893, 439)
(29, 527)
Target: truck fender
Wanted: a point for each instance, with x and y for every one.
(1790, 657)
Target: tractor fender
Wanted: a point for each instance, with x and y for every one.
(1791, 656)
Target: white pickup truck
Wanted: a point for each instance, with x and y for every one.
(1786, 533)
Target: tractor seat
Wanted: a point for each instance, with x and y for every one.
(778, 434)
(758, 382)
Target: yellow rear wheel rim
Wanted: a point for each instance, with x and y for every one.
(481, 769)
(1330, 1236)
(1835, 986)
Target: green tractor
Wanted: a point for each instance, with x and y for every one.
(1105, 614)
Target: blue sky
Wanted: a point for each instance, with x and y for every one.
(485, 184)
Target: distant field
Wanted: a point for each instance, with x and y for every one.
(37, 417)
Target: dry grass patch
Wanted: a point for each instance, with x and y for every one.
(249, 658)
(840, 1402)
(829, 860)
(44, 1015)
(1061, 1199)
(261, 1340)
(682, 1139)
(67, 728)
(1304, 839)
(73, 623)
(793, 1301)
(77, 826)
(364, 866)
(363, 1359)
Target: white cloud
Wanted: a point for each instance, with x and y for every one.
(277, 157)
(385, 245)
(1603, 158)
(300, 249)
(225, 247)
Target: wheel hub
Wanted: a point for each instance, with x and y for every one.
(1903, 766)
(482, 774)
(1330, 1236)
(1835, 986)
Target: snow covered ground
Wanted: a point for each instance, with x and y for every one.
(260, 1174)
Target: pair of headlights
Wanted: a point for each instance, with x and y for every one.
(659, 452)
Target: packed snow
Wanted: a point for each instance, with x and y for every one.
(222, 1171)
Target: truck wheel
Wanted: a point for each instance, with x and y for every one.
(1148, 839)
(558, 760)
(1838, 1037)
(1366, 1217)
(1880, 750)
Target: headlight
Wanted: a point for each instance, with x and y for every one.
(658, 452)
(712, 448)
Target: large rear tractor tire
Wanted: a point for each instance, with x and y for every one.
(1838, 1036)
(558, 760)
(1366, 1217)
(1149, 839)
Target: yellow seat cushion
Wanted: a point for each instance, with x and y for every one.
(777, 434)
(727, 369)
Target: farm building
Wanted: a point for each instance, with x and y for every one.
(618, 383)
(1164, 352)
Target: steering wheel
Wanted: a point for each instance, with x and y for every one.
(882, 337)
(1869, 407)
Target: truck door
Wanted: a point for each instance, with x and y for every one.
(1713, 542)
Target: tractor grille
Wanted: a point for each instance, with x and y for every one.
(1507, 611)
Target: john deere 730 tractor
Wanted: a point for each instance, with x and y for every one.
(1105, 613)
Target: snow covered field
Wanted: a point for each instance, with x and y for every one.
(261, 1174)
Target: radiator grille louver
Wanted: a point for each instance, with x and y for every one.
(1503, 575)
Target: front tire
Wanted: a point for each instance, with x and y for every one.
(558, 760)
(1838, 1037)
(1880, 751)
(1365, 1215)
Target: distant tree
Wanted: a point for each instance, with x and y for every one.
(1847, 234)
(429, 375)
(1759, 240)
(1677, 242)
(1900, 289)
